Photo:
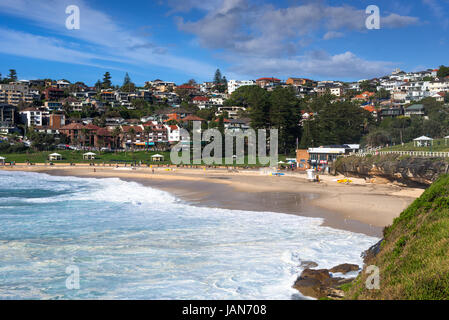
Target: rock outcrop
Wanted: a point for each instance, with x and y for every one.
(345, 268)
(319, 283)
(406, 170)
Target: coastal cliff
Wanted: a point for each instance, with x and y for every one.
(413, 257)
(393, 168)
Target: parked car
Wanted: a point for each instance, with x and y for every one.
(62, 146)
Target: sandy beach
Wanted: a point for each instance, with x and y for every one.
(359, 206)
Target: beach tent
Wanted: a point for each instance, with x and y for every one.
(2, 161)
(157, 157)
(89, 156)
(55, 156)
(423, 141)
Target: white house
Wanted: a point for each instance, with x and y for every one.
(173, 133)
(31, 117)
(235, 84)
(337, 91)
(216, 101)
(232, 111)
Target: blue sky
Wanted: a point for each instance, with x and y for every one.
(247, 39)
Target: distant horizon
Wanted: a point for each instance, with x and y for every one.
(4, 75)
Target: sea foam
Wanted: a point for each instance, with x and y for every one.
(135, 242)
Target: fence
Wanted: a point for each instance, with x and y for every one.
(420, 154)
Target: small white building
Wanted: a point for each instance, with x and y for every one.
(423, 141)
(157, 157)
(54, 157)
(89, 156)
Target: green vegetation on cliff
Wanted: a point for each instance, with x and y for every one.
(414, 256)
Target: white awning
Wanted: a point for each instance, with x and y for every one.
(89, 154)
(157, 156)
(423, 138)
(2, 158)
(56, 155)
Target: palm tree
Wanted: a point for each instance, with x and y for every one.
(84, 134)
(147, 131)
(116, 134)
(132, 134)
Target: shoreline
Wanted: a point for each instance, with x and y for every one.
(359, 207)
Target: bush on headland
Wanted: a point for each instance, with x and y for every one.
(413, 258)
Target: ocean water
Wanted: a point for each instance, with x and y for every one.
(129, 241)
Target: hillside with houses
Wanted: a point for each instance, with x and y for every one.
(46, 114)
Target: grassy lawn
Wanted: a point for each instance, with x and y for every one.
(69, 156)
(413, 258)
(439, 145)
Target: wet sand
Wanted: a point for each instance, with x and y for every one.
(357, 207)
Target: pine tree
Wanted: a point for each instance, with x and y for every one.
(218, 78)
(107, 80)
(127, 80)
(128, 86)
(12, 75)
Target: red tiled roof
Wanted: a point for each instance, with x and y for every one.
(369, 108)
(201, 98)
(136, 128)
(73, 126)
(192, 118)
(186, 86)
(104, 132)
(91, 126)
(268, 79)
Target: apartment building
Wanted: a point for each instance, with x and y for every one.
(15, 92)
(268, 82)
(32, 117)
(7, 118)
(53, 94)
(53, 106)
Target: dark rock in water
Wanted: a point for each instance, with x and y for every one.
(308, 264)
(308, 287)
(319, 283)
(320, 274)
(371, 252)
(344, 268)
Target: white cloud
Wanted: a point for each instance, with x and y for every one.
(263, 39)
(438, 11)
(314, 63)
(100, 37)
(333, 35)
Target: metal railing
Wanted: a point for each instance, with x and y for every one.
(419, 154)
